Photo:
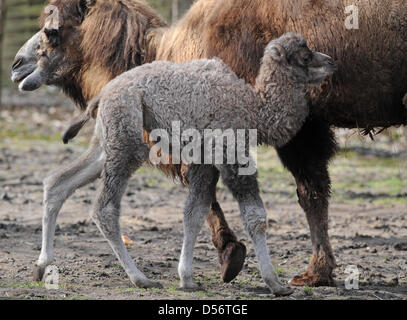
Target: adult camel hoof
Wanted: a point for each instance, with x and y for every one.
(38, 273)
(233, 257)
(313, 280)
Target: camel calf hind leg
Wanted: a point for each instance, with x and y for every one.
(59, 187)
(107, 214)
(125, 151)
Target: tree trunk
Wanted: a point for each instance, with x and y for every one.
(2, 24)
(175, 10)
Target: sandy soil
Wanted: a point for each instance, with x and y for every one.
(368, 223)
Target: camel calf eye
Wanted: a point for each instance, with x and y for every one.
(307, 59)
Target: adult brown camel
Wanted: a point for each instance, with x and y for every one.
(366, 92)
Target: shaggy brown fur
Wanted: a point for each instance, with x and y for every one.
(364, 93)
(126, 26)
(120, 46)
(123, 42)
(237, 31)
(372, 77)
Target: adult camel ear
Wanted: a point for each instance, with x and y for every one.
(277, 52)
(405, 100)
(51, 26)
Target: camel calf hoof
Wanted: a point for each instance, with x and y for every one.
(313, 280)
(233, 257)
(190, 286)
(282, 291)
(38, 273)
(148, 284)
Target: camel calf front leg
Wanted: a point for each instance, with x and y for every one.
(231, 252)
(245, 190)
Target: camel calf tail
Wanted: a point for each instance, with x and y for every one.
(78, 122)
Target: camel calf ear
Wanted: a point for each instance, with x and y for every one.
(277, 53)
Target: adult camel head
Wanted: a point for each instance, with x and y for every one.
(80, 49)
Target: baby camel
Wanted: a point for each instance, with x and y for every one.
(202, 94)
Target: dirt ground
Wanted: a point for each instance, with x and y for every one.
(368, 222)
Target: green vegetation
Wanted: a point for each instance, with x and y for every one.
(126, 289)
(27, 284)
(308, 290)
(173, 288)
(280, 271)
(355, 178)
(19, 131)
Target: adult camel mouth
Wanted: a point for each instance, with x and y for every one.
(25, 62)
(21, 70)
(27, 74)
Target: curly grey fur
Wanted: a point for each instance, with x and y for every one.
(202, 94)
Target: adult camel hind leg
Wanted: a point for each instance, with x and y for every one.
(307, 157)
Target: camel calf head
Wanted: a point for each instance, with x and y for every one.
(302, 65)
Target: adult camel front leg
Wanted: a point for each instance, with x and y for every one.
(307, 157)
(59, 187)
(231, 252)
